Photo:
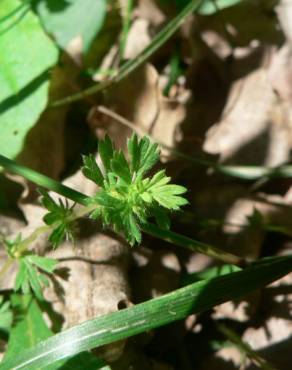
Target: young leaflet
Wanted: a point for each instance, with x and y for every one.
(31, 275)
(127, 198)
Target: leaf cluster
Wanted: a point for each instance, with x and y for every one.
(60, 217)
(127, 196)
(32, 268)
(32, 272)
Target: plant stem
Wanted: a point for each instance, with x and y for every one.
(150, 229)
(245, 348)
(24, 244)
(194, 245)
(5, 267)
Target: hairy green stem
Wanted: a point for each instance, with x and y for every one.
(6, 267)
(24, 244)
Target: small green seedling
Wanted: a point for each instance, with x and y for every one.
(127, 197)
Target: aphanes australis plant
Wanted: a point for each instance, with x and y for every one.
(126, 199)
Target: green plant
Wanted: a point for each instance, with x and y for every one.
(126, 198)
(132, 190)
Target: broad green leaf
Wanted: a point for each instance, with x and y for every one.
(68, 20)
(30, 328)
(26, 56)
(154, 313)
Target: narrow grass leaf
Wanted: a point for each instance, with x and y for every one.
(154, 313)
(30, 328)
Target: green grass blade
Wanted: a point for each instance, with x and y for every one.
(131, 65)
(154, 313)
(254, 172)
(42, 180)
(29, 328)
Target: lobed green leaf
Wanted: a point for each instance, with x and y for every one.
(60, 217)
(106, 151)
(91, 170)
(29, 277)
(120, 167)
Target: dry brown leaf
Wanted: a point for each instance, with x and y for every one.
(138, 38)
(140, 101)
(284, 13)
(280, 72)
(149, 10)
(97, 283)
(245, 130)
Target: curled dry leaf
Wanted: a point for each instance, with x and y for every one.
(249, 131)
(140, 101)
